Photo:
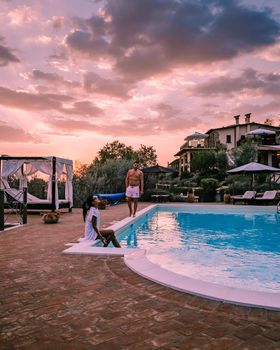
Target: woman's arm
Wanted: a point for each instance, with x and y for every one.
(94, 225)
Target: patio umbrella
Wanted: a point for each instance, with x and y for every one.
(158, 169)
(254, 168)
(196, 136)
(261, 132)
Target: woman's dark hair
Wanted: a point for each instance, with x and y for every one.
(87, 205)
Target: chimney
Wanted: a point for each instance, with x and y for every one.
(236, 117)
(247, 118)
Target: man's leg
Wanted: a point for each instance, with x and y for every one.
(129, 205)
(110, 237)
(135, 203)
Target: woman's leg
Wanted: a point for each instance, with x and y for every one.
(110, 237)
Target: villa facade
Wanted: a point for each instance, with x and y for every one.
(266, 136)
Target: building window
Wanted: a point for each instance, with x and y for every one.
(228, 138)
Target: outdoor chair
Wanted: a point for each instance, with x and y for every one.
(247, 197)
(269, 197)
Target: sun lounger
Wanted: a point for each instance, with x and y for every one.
(160, 197)
(269, 197)
(245, 198)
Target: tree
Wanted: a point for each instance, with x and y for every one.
(210, 163)
(106, 174)
(203, 162)
(146, 156)
(221, 163)
(109, 177)
(38, 187)
(106, 177)
(115, 150)
(82, 185)
(268, 121)
(245, 153)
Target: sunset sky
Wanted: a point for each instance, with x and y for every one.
(76, 74)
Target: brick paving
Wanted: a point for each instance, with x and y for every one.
(52, 301)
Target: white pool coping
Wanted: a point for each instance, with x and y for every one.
(138, 262)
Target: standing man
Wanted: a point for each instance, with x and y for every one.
(134, 183)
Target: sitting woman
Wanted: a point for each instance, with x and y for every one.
(91, 216)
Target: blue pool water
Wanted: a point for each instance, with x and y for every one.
(240, 248)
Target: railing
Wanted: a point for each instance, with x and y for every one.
(16, 206)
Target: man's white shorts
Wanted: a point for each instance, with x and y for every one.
(132, 192)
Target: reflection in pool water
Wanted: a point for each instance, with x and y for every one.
(239, 249)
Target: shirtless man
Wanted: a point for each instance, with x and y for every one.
(134, 183)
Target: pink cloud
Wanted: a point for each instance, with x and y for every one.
(12, 134)
(29, 101)
(44, 102)
(57, 22)
(166, 120)
(53, 80)
(146, 38)
(249, 80)
(6, 54)
(145, 71)
(94, 83)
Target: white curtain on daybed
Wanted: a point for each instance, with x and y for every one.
(15, 167)
(69, 184)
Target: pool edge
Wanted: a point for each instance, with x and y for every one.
(140, 264)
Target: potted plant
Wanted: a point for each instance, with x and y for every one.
(190, 196)
(51, 218)
(227, 197)
(102, 204)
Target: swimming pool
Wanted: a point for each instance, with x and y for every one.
(240, 248)
(221, 252)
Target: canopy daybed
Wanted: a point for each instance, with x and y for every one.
(24, 167)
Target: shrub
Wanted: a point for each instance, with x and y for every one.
(239, 187)
(107, 177)
(175, 198)
(178, 190)
(208, 191)
(185, 175)
(175, 181)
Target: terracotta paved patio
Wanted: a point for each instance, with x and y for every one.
(49, 300)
